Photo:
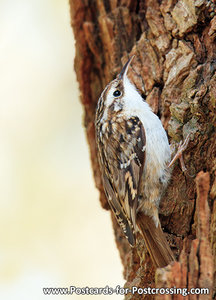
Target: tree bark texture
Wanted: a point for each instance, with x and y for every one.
(174, 67)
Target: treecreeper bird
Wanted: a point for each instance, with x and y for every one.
(134, 155)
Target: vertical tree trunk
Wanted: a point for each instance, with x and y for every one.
(174, 66)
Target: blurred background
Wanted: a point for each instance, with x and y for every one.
(53, 231)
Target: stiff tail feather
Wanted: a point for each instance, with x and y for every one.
(155, 240)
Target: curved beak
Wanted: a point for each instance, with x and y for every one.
(125, 68)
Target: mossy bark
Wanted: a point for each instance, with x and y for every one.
(174, 67)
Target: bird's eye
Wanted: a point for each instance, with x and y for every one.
(117, 93)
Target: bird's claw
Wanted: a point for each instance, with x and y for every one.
(179, 154)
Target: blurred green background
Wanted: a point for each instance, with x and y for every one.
(53, 231)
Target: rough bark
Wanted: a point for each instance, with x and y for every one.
(174, 67)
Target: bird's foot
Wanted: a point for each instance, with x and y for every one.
(179, 154)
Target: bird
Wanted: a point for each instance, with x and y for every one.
(134, 156)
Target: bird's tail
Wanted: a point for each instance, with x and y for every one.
(155, 241)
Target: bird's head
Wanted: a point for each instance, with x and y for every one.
(116, 90)
(117, 93)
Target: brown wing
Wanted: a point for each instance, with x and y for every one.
(122, 156)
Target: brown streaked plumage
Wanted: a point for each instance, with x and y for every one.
(122, 170)
(133, 152)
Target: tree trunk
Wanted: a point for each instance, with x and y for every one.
(174, 67)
